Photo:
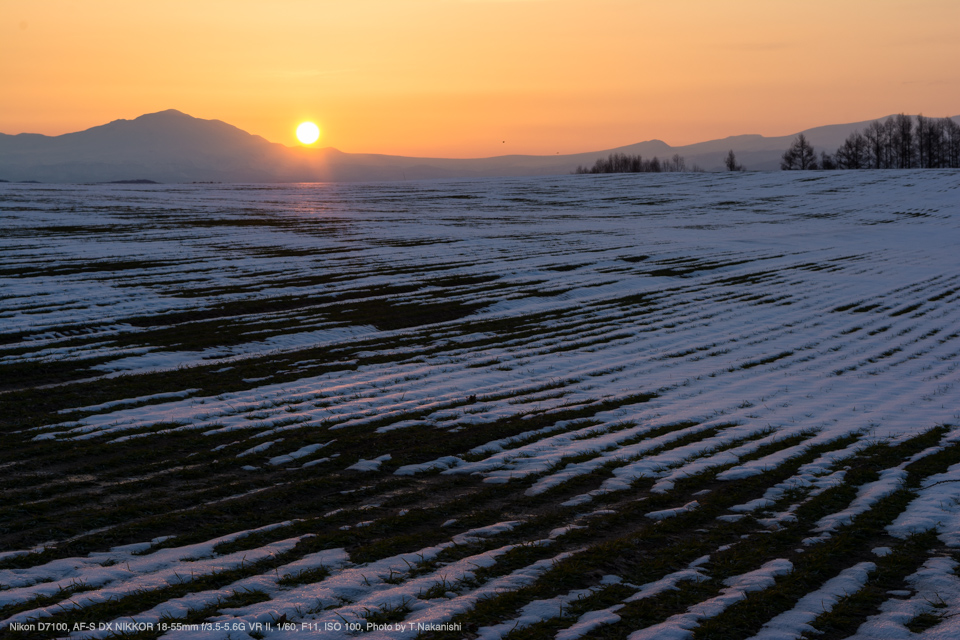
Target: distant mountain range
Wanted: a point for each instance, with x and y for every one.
(170, 146)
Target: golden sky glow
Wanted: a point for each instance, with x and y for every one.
(469, 78)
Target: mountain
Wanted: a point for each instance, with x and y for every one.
(170, 146)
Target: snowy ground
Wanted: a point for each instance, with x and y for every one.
(641, 406)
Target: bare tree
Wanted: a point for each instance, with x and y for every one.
(731, 162)
(923, 151)
(901, 142)
(789, 161)
(876, 140)
(800, 155)
(852, 154)
(951, 143)
(935, 142)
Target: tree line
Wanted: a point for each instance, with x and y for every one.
(901, 142)
(626, 163)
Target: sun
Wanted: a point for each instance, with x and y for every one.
(308, 133)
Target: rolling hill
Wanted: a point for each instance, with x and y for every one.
(171, 146)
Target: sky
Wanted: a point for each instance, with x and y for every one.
(477, 78)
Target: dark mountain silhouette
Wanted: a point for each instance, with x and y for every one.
(170, 146)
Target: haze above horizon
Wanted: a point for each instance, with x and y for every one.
(474, 78)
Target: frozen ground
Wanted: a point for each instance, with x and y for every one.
(642, 406)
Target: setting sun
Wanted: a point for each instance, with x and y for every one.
(308, 133)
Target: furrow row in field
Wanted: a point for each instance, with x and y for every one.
(615, 408)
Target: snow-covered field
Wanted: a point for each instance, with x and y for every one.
(639, 406)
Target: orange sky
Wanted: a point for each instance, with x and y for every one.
(469, 78)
